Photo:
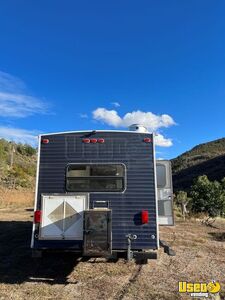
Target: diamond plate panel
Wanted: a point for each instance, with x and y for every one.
(56, 216)
(71, 216)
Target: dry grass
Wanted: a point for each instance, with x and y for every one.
(16, 198)
(200, 256)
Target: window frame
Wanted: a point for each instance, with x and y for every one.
(165, 175)
(124, 178)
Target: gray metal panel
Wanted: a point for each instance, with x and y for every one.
(165, 194)
(119, 147)
(97, 232)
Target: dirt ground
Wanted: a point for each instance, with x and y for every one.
(200, 256)
(16, 197)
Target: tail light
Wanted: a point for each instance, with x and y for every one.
(144, 217)
(101, 141)
(94, 141)
(37, 216)
(86, 141)
(45, 141)
(147, 140)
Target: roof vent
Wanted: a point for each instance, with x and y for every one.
(138, 128)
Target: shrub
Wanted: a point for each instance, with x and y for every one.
(26, 150)
(208, 197)
(18, 176)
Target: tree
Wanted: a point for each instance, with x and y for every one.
(182, 200)
(208, 197)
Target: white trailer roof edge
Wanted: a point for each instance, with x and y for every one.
(82, 131)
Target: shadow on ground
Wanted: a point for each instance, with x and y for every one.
(16, 263)
(218, 236)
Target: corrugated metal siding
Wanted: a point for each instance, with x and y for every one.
(127, 148)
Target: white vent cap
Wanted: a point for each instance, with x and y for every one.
(138, 128)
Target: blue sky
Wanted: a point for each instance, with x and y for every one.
(72, 65)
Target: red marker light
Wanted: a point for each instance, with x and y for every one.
(147, 140)
(86, 141)
(144, 217)
(94, 141)
(101, 141)
(45, 141)
(37, 216)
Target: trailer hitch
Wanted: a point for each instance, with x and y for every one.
(130, 237)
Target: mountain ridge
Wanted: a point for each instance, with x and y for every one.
(203, 159)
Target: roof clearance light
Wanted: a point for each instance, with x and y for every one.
(144, 217)
(147, 140)
(37, 216)
(45, 141)
(94, 141)
(86, 141)
(101, 141)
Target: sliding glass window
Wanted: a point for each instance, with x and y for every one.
(95, 178)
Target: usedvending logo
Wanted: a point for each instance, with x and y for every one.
(199, 289)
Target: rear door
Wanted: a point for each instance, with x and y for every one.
(97, 232)
(165, 192)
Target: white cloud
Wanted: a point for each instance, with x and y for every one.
(148, 119)
(109, 117)
(116, 104)
(152, 121)
(161, 141)
(19, 105)
(10, 83)
(19, 135)
(15, 100)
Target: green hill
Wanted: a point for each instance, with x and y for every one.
(17, 165)
(204, 159)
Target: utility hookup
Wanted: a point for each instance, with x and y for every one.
(130, 237)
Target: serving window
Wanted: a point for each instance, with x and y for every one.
(95, 178)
